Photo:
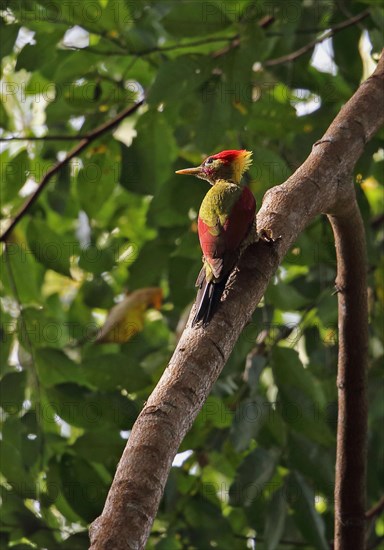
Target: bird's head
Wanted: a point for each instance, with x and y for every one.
(227, 165)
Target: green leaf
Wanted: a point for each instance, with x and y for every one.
(14, 471)
(59, 194)
(147, 163)
(142, 273)
(12, 391)
(54, 367)
(285, 297)
(97, 179)
(195, 18)
(300, 397)
(15, 513)
(327, 311)
(172, 203)
(306, 517)
(275, 523)
(97, 260)
(110, 371)
(4, 120)
(97, 293)
(44, 50)
(13, 173)
(56, 493)
(214, 119)
(289, 373)
(178, 78)
(48, 247)
(6, 338)
(79, 541)
(268, 168)
(343, 45)
(275, 429)
(38, 329)
(104, 446)
(252, 475)
(8, 37)
(215, 413)
(25, 272)
(170, 543)
(182, 277)
(249, 418)
(82, 487)
(305, 456)
(82, 407)
(206, 518)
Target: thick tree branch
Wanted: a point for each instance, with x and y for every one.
(200, 355)
(90, 137)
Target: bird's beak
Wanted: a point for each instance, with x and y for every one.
(190, 171)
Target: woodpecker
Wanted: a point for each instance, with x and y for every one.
(226, 219)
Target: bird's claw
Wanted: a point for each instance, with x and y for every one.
(267, 236)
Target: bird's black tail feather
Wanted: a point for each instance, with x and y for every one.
(208, 297)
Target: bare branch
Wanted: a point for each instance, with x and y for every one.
(308, 47)
(90, 137)
(287, 209)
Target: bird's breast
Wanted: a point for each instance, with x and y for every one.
(218, 203)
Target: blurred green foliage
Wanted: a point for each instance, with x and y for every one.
(260, 460)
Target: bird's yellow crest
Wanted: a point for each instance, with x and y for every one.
(242, 163)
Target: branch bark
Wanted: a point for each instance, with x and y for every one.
(351, 285)
(318, 186)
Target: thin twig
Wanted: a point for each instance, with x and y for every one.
(191, 44)
(282, 542)
(375, 510)
(63, 21)
(308, 47)
(377, 221)
(234, 42)
(376, 543)
(264, 23)
(91, 136)
(52, 137)
(161, 49)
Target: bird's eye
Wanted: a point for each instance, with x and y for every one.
(209, 161)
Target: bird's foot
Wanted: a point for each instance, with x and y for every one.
(267, 236)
